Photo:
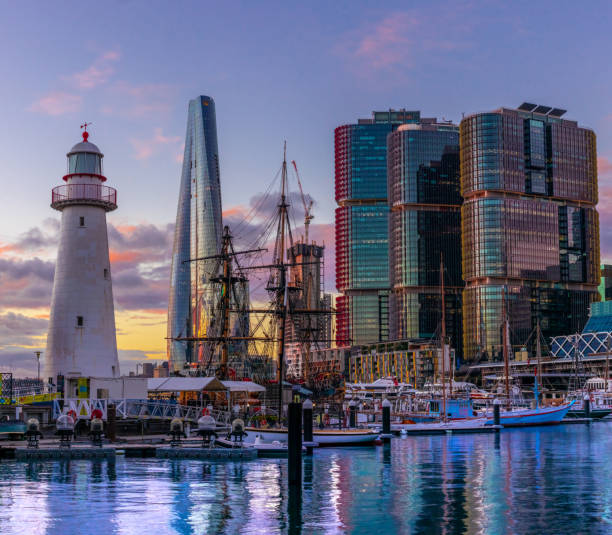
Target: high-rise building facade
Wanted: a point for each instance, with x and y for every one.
(424, 231)
(362, 226)
(530, 230)
(198, 234)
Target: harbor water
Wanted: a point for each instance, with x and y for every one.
(540, 480)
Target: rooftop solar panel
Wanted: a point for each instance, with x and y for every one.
(542, 109)
(557, 112)
(526, 106)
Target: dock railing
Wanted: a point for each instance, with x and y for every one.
(141, 409)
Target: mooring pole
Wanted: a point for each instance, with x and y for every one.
(586, 403)
(386, 421)
(352, 414)
(307, 413)
(496, 412)
(295, 444)
(111, 418)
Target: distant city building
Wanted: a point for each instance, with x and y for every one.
(424, 229)
(605, 285)
(308, 329)
(160, 371)
(147, 369)
(197, 234)
(82, 340)
(333, 360)
(530, 230)
(362, 226)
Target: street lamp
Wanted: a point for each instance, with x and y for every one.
(37, 353)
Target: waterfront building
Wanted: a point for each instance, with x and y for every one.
(361, 226)
(197, 234)
(605, 285)
(530, 230)
(82, 340)
(415, 362)
(424, 229)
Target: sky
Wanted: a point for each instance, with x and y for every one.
(277, 71)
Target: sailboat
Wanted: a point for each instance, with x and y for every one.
(526, 417)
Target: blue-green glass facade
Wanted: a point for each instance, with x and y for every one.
(424, 231)
(362, 220)
(530, 230)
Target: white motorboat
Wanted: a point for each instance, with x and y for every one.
(324, 437)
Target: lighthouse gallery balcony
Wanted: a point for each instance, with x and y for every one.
(94, 194)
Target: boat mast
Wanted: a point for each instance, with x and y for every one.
(281, 289)
(539, 353)
(226, 289)
(607, 363)
(443, 337)
(505, 342)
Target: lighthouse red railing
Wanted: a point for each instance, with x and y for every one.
(85, 192)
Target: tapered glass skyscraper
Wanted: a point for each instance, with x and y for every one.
(197, 234)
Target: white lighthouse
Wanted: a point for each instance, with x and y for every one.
(82, 339)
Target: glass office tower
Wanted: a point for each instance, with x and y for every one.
(424, 228)
(362, 221)
(197, 234)
(530, 230)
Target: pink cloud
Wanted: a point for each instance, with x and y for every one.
(388, 43)
(398, 40)
(604, 166)
(57, 103)
(98, 73)
(140, 100)
(145, 148)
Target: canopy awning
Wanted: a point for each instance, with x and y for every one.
(185, 384)
(243, 386)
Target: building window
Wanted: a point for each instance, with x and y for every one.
(79, 321)
(81, 221)
(106, 274)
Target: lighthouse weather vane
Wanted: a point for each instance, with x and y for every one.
(85, 132)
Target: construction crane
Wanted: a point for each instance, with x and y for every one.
(307, 206)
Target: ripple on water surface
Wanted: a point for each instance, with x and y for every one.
(547, 480)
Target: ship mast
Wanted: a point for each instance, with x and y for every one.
(277, 285)
(443, 337)
(539, 353)
(505, 348)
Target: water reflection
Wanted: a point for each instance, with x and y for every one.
(552, 480)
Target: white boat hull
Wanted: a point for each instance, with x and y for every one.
(348, 437)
